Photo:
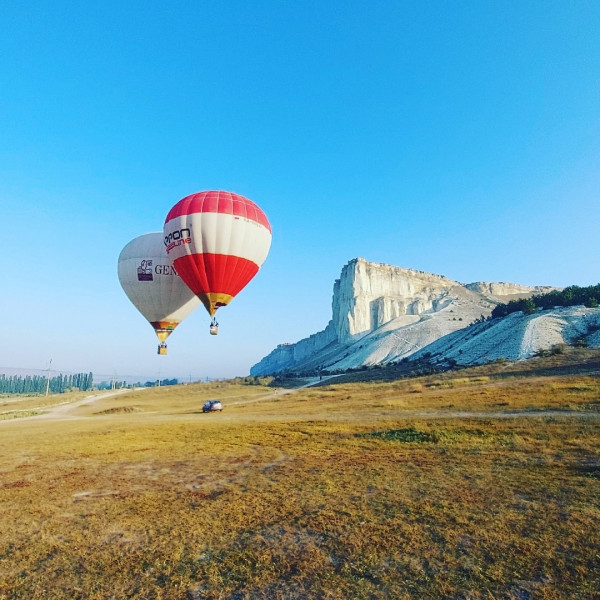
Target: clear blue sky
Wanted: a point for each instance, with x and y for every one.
(460, 138)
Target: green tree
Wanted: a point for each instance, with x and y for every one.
(529, 306)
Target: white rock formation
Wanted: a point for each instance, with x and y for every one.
(382, 313)
(503, 292)
(517, 336)
(368, 295)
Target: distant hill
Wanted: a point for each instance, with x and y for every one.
(383, 313)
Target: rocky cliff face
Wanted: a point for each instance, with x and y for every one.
(368, 295)
(381, 313)
(286, 356)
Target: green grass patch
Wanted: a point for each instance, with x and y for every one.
(404, 435)
(438, 435)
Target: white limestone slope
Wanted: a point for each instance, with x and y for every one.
(382, 313)
(517, 336)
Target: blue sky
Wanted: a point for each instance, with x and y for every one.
(457, 138)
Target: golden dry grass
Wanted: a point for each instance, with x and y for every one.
(408, 489)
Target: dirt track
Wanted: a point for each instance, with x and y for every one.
(61, 412)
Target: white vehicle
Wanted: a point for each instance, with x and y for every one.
(212, 406)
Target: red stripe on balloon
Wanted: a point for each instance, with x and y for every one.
(219, 202)
(217, 273)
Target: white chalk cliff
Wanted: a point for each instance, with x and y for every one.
(382, 313)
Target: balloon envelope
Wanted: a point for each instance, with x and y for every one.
(152, 284)
(216, 241)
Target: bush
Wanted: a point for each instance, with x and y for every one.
(529, 306)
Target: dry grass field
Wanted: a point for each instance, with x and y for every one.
(457, 486)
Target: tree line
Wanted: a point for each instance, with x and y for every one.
(570, 296)
(117, 385)
(38, 384)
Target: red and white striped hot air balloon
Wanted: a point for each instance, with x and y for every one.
(216, 241)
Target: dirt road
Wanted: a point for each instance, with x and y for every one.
(63, 411)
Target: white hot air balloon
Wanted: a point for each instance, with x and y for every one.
(153, 286)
